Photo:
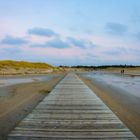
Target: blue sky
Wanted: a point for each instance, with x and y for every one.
(71, 32)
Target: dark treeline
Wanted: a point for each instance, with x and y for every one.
(101, 67)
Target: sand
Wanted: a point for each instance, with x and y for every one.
(125, 106)
(20, 100)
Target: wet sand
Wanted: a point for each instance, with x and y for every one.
(20, 101)
(13, 80)
(125, 106)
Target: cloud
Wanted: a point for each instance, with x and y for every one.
(69, 42)
(10, 40)
(57, 43)
(79, 42)
(53, 43)
(42, 32)
(116, 28)
(76, 42)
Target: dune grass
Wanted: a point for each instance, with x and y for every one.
(23, 64)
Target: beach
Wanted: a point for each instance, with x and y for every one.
(17, 100)
(19, 97)
(124, 105)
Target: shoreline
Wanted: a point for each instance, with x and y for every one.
(126, 107)
(21, 100)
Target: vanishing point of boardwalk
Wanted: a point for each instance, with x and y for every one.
(70, 112)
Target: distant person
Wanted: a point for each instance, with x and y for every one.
(122, 71)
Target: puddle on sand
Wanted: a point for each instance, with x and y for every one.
(8, 81)
(17, 80)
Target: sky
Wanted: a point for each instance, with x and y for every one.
(71, 32)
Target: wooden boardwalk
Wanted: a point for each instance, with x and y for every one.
(71, 112)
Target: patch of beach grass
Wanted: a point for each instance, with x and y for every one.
(44, 91)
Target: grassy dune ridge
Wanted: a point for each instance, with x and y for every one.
(10, 67)
(23, 64)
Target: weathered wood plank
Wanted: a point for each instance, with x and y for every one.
(70, 112)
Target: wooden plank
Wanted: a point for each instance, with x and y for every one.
(71, 111)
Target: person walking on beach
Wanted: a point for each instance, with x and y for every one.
(122, 71)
